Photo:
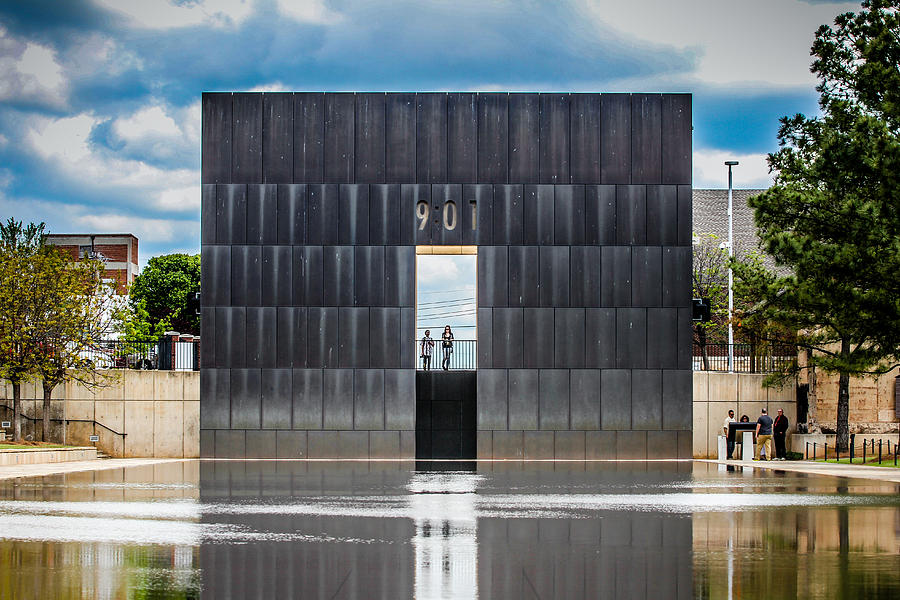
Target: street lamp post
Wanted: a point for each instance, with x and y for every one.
(729, 164)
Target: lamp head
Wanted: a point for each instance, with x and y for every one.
(731, 163)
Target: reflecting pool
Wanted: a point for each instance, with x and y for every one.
(294, 529)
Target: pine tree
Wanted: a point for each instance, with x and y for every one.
(831, 218)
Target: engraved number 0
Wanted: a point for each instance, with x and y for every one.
(449, 215)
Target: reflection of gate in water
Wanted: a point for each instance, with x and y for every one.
(446, 545)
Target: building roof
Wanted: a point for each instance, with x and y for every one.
(96, 235)
(710, 215)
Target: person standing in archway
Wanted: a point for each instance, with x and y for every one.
(447, 347)
(427, 350)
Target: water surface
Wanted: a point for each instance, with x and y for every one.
(295, 529)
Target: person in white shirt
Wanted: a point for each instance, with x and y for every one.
(427, 350)
(729, 419)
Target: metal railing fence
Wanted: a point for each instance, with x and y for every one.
(462, 356)
(874, 451)
(748, 358)
(163, 354)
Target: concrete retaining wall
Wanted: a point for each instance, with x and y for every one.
(158, 411)
(715, 393)
(38, 456)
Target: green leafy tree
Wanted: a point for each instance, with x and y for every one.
(164, 290)
(831, 217)
(772, 346)
(19, 245)
(137, 325)
(709, 280)
(74, 310)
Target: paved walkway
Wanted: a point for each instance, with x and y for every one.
(819, 468)
(14, 471)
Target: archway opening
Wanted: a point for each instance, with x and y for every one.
(446, 295)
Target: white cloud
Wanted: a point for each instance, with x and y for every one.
(151, 122)
(449, 281)
(70, 217)
(159, 133)
(64, 144)
(710, 170)
(164, 14)
(96, 53)
(309, 11)
(437, 268)
(29, 72)
(765, 41)
(275, 86)
(180, 199)
(148, 230)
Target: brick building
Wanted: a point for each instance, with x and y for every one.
(119, 251)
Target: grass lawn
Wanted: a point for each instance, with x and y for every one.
(27, 445)
(885, 461)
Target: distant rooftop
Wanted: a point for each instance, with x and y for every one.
(710, 213)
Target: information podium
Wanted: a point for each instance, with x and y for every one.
(735, 434)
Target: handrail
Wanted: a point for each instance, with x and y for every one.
(463, 356)
(35, 420)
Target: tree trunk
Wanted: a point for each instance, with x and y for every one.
(701, 341)
(811, 398)
(17, 411)
(843, 407)
(45, 433)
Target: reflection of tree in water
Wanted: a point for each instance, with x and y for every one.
(100, 570)
(844, 553)
(808, 553)
(162, 573)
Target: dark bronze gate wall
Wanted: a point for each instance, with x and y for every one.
(580, 205)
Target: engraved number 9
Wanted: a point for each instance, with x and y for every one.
(422, 214)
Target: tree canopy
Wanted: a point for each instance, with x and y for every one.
(19, 245)
(74, 310)
(164, 292)
(53, 313)
(709, 280)
(831, 217)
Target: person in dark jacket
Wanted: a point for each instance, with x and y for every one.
(447, 347)
(780, 428)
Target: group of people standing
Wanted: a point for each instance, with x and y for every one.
(767, 430)
(427, 349)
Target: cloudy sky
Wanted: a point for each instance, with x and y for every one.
(99, 99)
